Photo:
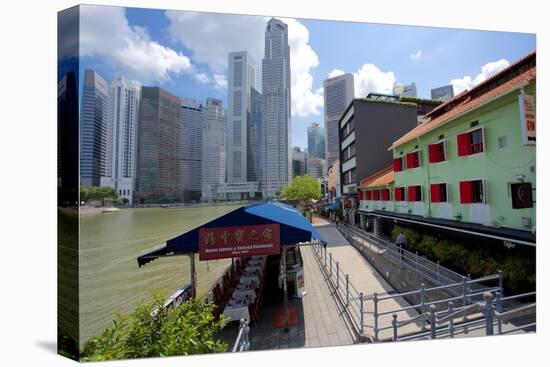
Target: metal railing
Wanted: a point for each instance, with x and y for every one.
(443, 323)
(352, 301)
(242, 343)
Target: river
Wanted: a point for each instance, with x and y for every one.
(110, 279)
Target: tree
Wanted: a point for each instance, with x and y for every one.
(188, 329)
(97, 193)
(303, 188)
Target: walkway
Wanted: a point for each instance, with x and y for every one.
(364, 278)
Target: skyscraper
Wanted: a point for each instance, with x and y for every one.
(254, 136)
(404, 90)
(93, 129)
(299, 162)
(213, 148)
(120, 168)
(338, 94)
(443, 93)
(241, 78)
(191, 118)
(158, 168)
(315, 141)
(276, 144)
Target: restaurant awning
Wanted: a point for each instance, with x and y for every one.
(294, 228)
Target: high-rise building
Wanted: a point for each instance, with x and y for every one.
(404, 90)
(241, 80)
(316, 141)
(120, 168)
(316, 167)
(276, 126)
(93, 128)
(299, 162)
(254, 136)
(338, 94)
(191, 117)
(158, 164)
(213, 148)
(443, 93)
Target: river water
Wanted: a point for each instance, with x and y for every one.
(110, 279)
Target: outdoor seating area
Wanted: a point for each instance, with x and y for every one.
(238, 293)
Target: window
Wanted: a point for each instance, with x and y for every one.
(472, 192)
(470, 143)
(385, 193)
(376, 195)
(502, 141)
(522, 196)
(438, 193)
(368, 195)
(413, 159)
(414, 193)
(360, 195)
(399, 193)
(398, 164)
(437, 152)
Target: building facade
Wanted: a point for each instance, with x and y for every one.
(338, 94)
(443, 93)
(404, 90)
(316, 167)
(254, 136)
(120, 169)
(213, 148)
(94, 121)
(299, 162)
(158, 163)
(276, 124)
(316, 141)
(470, 167)
(191, 120)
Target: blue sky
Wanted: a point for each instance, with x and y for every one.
(186, 53)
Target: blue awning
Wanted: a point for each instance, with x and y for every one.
(331, 206)
(294, 228)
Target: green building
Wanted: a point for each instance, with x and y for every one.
(469, 166)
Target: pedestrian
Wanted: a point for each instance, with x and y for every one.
(401, 241)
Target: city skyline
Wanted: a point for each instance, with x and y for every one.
(185, 55)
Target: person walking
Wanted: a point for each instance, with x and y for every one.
(401, 241)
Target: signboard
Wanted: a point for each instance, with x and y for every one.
(241, 241)
(527, 114)
(300, 284)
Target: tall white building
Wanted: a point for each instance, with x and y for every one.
(241, 78)
(405, 90)
(121, 152)
(276, 146)
(191, 117)
(338, 94)
(213, 148)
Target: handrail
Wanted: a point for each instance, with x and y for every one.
(242, 342)
(466, 311)
(517, 312)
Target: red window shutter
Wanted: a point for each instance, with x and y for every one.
(396, 194)
(385, 194)
(376, 195)
(463, 142)
(368, 195)
(466, 192)
(398, 164)
(435, 193)
(410, 160)
(411, 193)
(360, 195)
(432, 153)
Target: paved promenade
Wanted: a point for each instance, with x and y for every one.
(365, 279)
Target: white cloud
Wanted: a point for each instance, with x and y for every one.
(487, 71)
(417, 55)
(220, 81)
(105, 33)
(202, 78)
(211, 37)
(370, 79)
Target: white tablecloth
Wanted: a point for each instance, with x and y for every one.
(241, 294)
(237, 312)
(253, 268)
(247, 279)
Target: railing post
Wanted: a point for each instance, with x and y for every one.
(499, 309)
(337, 275)
(246, 336)
(325, 258)
(347, 290)
(500, 283)
(469, 288)
(422, 305)
(394, 324)
(489, 312)
(361, 306)
(330, 263)
(438, 275)
(464, 299)
(375, 315)
(432, 322)
(451, 321)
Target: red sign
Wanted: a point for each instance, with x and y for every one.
(228, 242)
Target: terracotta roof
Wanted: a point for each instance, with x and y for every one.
(470, 101)
(380, 178)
